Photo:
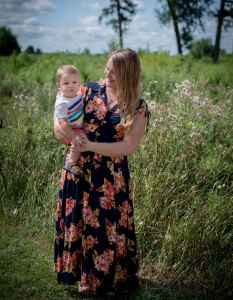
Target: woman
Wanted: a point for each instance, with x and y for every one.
(95, 241)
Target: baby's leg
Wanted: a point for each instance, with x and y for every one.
(74, 156)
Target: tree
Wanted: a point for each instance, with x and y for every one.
(225, 18)
(122, 9)
(185, 14)
(8, 42)
(30, 49)
(202, 48)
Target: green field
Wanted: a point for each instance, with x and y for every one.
(182, 175)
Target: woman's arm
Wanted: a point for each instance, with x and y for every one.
(127, 147)
(60, 134)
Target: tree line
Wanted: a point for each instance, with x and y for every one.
(186, 16)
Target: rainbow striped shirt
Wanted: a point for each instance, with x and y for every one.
(70, 108)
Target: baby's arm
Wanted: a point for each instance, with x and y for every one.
(68, 130)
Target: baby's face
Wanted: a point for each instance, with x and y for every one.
(69, 85)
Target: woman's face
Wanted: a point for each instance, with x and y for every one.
(110, 75)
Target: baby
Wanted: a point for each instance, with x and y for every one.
(69, 110)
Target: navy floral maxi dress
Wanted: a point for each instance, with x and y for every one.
(95, 237)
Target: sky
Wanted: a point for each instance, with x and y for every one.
(72, 25)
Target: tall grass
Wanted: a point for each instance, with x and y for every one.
(182, 172)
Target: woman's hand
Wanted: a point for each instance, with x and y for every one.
(60, 134)
(82, 143)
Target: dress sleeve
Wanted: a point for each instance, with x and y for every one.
(83, 90)
(143, 109)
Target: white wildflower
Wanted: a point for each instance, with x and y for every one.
(223, 185)
(173, 116)
(15, 211)
(219, 186)
(192, 134)
(140, 223)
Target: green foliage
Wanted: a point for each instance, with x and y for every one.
(202, 48)
(30, 50)
(112, 45)
(8, 42)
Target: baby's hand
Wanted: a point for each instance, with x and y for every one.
(74, 143)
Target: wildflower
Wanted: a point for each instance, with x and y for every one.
(173, 116)
(143, 146)
(140, 223)
(21, 97)
(219, 186)
(218, 114)
(15, 211)
(190, 123)
(192, 134)
(199, 114)
(223, 185)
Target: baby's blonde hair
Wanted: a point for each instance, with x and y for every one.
(68, 69)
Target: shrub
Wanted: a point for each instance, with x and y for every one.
(202, 48)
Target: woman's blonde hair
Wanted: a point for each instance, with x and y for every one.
(128, 76)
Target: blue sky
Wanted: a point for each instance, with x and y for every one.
(58, 25)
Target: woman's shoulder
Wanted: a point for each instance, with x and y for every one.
(142, 106)
(95, 86)
(88, 88)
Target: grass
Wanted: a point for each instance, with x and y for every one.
(182, 175)
(26, 263)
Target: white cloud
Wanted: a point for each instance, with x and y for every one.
(13, 11)
(33, 21)
(91, 6)
(38, 6)
(140, 5)
(89, 20)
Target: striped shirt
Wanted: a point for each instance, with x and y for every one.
(70, 108)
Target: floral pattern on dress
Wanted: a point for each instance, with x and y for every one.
(95, 239)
